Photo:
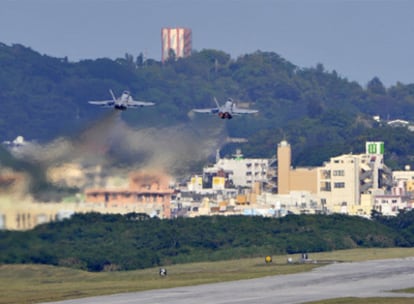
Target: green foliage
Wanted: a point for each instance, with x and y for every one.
(97, 242)
(314, 109)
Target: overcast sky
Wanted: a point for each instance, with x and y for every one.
(358, 39)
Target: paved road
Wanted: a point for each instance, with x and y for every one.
(362, 279)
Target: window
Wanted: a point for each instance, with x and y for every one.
(325, 174)
(339, 185)
(338, 173)
(325, 186)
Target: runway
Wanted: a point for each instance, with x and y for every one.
(359, 279)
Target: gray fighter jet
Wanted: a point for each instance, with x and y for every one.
(226, 111)
(122, 103)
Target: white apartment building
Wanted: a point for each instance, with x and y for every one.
(338, 182)
(238, 171)
(391, 204)
(343, 179)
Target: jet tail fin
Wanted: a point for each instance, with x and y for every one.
(112, 94)
(217, 104)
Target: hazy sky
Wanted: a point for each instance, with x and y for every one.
(358, 39)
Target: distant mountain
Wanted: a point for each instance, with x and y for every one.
(319, 112)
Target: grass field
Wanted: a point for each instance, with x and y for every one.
(41, 283)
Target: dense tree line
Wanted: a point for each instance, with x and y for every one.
(97, 242)
(314, 109)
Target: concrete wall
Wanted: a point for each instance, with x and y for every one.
(303, 179)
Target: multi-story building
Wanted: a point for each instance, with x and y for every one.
(146, 193)
(340, 182)
(401, 194)
(236, 172)
(28, 214)
(344, 179)
(389, 204)
(290, 179)
(178, 40)
(345, 184)
(407, 177)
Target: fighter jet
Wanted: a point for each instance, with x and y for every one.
(228, 110)
(122, 103)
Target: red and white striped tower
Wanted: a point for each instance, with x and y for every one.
(176, 39)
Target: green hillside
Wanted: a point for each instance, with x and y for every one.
(96, 242)
(316, 110)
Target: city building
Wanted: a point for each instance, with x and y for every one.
(297, 202)
(340, 183)
(349, 184)
(28, 214)
(290, 179)
(235, 172)
(146, 193)
(344, 179)
(407, 177)
(178, 40)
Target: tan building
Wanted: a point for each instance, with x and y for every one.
(303, 179)
(345, 179)
(289, 179)
(338, 183)
(284, 155)
(147, 193)
(27, 215)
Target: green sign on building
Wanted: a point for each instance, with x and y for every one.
(374, 147)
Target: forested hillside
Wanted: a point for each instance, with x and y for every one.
(317, 111)
(97, 242)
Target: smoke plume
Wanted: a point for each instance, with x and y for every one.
(119, 149)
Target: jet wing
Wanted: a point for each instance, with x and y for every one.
(137, 104)
(209, 111)
(104, 103)
(244, 111)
